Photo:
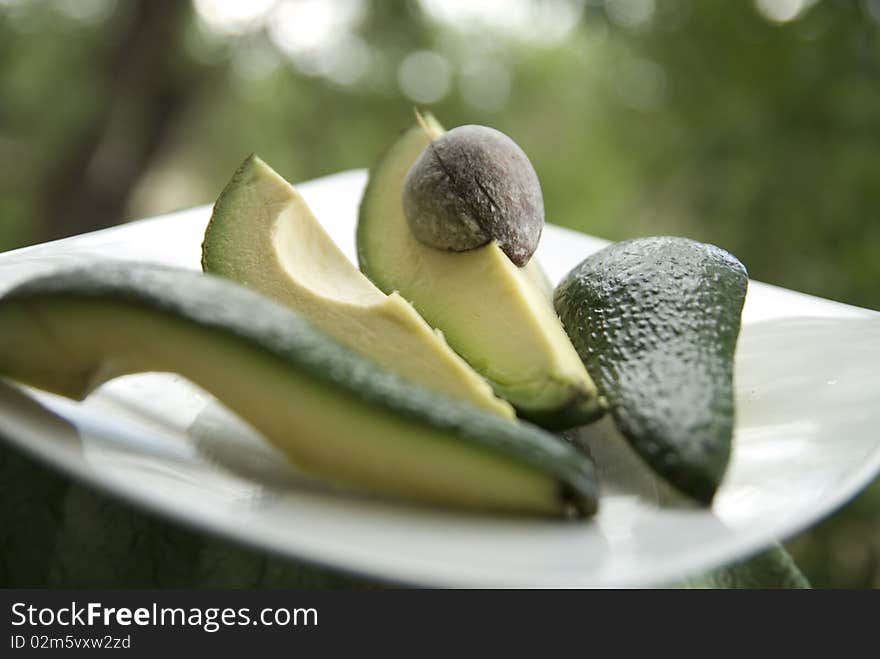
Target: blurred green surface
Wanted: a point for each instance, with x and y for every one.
(754, 125)
(58, 533)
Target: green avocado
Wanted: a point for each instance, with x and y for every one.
(493, 313)
(656, 322)
(772, 568)
(333, 413)
(262, 234)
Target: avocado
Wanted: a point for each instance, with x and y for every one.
(773, 568)
(333, 413)
(656, 322)
(262, 234)
(492, 313)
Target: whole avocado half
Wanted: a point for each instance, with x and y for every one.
(656, 322)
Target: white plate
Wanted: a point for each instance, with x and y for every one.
(808, 396)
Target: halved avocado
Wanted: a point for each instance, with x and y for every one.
(262, 234)
(494, 314)
(656, 321)
(334, 413)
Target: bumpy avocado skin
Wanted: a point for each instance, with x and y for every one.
(656, 322)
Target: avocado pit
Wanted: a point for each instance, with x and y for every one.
(472, 185)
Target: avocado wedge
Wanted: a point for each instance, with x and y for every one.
(334, 413)
(262, 234)
(656, 321)
(491, 312)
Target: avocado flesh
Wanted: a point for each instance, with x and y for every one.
(262, 234)
(656, 322)
(494, 314)
(333, 413)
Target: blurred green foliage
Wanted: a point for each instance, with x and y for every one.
(753, 125)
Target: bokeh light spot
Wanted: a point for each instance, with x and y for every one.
(232, 17)
(630, 13)
(90, 12)
(782, 11)
(546, 22)
(318, 37)
(424, 76)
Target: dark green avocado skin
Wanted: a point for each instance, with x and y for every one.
(656, 321)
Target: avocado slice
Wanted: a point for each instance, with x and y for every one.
(262, 234)
(491, 312)
(656, 322)
(334, 413)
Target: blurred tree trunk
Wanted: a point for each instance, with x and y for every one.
(149, 78)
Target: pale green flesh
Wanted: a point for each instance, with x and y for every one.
(263, 235)
(70, 346)
(495, 315)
